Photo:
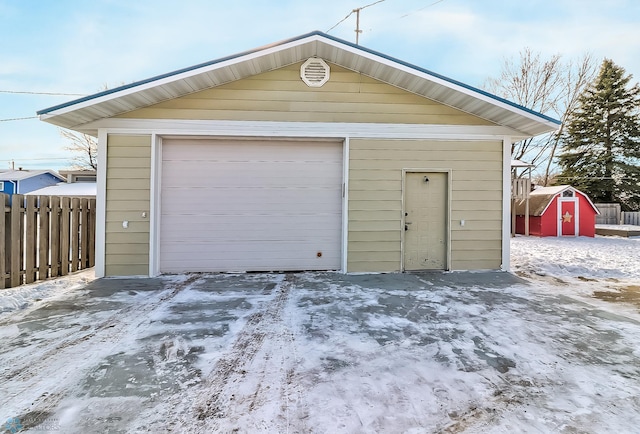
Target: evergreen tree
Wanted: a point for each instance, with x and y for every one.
(601, 143)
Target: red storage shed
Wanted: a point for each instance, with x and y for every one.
(558, 211)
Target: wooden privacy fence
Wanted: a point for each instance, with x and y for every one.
(609, 213)
(631, 218)
(45, 236)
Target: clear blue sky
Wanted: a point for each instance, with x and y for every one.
(78, 46)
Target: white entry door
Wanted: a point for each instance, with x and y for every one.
(250, 205)
(425, 208)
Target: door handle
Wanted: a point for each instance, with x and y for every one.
(406, 226)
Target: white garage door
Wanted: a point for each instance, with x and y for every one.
(247, 205)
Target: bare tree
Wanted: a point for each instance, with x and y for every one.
(85, 149)
(546, 86)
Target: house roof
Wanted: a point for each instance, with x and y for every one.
(112, 102)
(541, 198)
(73, 189)
(19, 175)
(520, 163)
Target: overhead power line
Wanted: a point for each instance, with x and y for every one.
(25, 92)
(19, 119)
(357, 12)
(421, 9)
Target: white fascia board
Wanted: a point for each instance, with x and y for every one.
(101, 202)
(302, 129)
(438, 80)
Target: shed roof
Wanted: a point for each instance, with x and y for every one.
(541, 198)
(76, 113)
(19, 175)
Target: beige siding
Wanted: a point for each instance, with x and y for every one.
(128, 196)
(375, 200)
(281, 95)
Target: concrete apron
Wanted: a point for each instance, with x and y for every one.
(148, 341)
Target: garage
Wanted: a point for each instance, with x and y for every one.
(250, 205)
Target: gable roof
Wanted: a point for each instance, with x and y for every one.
(19, 175)
(541, 198)
(376, 65)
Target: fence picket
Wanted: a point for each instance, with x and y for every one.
(75, 233)
(30, 239)
(16, 237)
(84, 235)
(54, 249)
(4, 202)
(65, 206)
(43, 236)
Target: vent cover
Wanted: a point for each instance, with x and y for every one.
(314, 72)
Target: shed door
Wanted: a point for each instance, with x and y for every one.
(568, 217)
(425, 236)
(248, 205)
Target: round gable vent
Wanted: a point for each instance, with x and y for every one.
(314, 72)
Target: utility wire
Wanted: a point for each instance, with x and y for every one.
(421, 9)
(41, 93)
(354, 10)
(18, 119)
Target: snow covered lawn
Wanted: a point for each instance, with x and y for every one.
(324, 352)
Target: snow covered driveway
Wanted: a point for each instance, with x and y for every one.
(323, 352)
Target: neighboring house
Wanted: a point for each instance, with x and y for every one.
(24, 181)
(79, 183)
(308, 154)
(73, 176)
(558, 211)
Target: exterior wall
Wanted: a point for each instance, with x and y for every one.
(375, 200)
(37, 182)
(549, 220)
(8, 187)
(535, 225)
(281, 95)
(587, 217)
(127, 197)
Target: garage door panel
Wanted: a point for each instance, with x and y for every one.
(251, 174)
(200, 149)
(246, 205)
(262, 202)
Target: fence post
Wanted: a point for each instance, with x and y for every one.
(16, 237)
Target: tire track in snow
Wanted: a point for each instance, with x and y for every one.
(255, 376)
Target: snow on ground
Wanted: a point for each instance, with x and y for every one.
(328, 353)
(599, 257)
(22, 297)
